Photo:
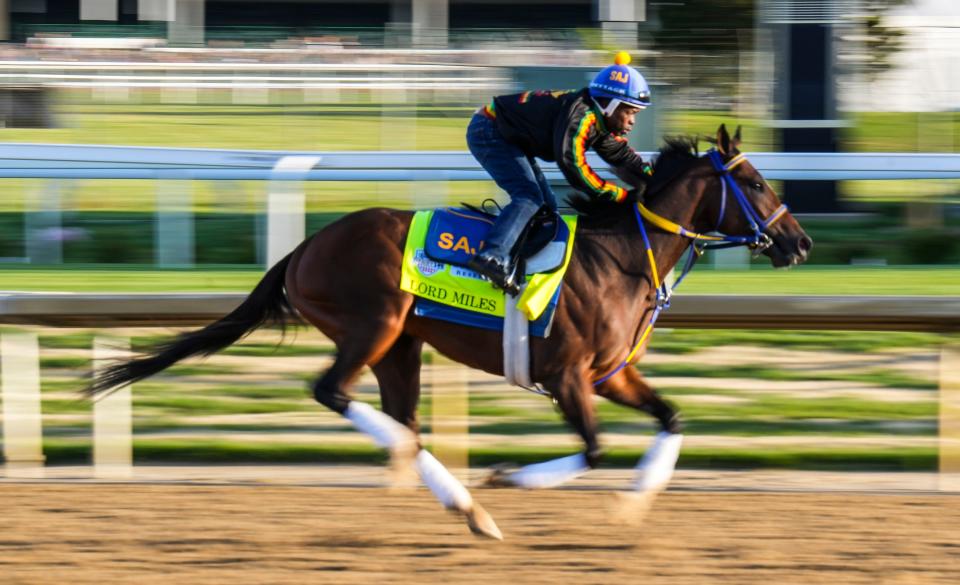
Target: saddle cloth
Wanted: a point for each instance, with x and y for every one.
(441, 241)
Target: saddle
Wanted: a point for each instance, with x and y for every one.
(455, 234)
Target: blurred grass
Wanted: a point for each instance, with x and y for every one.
(805, 280)
(61, 451)
(875, 376)
(425, 127)
(193, 419)
(689, 341)
(263, 127)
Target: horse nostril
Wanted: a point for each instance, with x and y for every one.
(804, 244)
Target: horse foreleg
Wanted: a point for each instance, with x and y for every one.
(573, 395)
(656, 467)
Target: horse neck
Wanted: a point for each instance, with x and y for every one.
(617, 247)
(686, 203)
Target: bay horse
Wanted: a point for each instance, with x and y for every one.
(345, 279)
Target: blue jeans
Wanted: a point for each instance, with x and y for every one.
(514, 172)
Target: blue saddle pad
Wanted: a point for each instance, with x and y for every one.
(455, 234)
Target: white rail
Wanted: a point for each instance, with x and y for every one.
(122, 162)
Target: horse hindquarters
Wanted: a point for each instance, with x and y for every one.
(344, 281)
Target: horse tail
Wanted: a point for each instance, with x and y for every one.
(266, 304)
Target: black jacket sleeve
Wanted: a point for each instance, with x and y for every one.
(623, 160)
(577, 134)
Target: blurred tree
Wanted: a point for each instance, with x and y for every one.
(700, 24)
(880, 41)
(712, 25)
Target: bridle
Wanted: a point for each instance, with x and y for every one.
(760, 240)
(699, 243)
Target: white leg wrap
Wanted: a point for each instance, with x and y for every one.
(385, 431)
(441, 482)
(656, 467)
(550, 473)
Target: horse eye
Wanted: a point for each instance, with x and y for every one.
(757, 186)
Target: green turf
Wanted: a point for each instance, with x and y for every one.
(123, 280)
(772, 406)
(813, 280)
(249, 127)
(875, 376)
(61, 450)
(819, 280)
(688, 341)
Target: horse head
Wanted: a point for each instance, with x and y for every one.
(747, 206)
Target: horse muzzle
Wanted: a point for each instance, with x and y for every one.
(789, 249)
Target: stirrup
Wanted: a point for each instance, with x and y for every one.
(509, 284)
(489, 269)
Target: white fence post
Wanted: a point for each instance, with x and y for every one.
(949, 419)
(112, 417)
(22, 422)
(450, 417)
(43, 225)
(174, 231)
(286, 206)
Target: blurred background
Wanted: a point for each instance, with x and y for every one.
(323, 78)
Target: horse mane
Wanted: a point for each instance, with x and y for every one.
(677, 155)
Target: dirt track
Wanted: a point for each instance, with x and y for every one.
(145, 534)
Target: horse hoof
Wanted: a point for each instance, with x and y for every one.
(498, 477)
(631, 508)
(403, 472)
(481, 523)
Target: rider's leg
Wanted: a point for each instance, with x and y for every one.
(513, 172)
(549, 199)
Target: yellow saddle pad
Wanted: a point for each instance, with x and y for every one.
(462, 288)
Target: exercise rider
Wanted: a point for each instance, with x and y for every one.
(508, 135)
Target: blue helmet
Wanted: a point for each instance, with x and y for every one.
(621, 84)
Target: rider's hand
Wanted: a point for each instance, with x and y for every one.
(636, 194)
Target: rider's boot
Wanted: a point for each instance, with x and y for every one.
(496, 260)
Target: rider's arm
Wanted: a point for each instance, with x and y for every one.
(623, 160)
(575, 138)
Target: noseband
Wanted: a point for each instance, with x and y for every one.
(699, 243)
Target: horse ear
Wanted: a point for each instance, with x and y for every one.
(723, 140)
(736, 137)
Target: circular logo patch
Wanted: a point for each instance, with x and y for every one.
(426, 266)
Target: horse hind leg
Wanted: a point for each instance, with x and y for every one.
(398, 374)
(573, 395)
(365, 342)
